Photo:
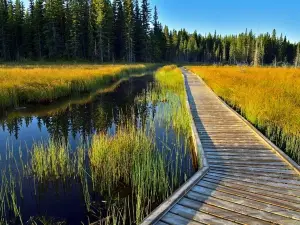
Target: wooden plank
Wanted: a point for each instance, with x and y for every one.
(251, 200)
(254, 163)
(268, 178)
(239, 150)
(243, 158)
(161, 223)
(174, 219)
(201, 217)
(234, 154)
(285, 170)
(252, 188)
(274, 176)
(252, 180)
(270, 217)
(222, 213)
(236, 183)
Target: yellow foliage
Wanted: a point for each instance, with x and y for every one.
(267, 97)
(46, 83)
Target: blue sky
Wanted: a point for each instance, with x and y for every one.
(232, 16)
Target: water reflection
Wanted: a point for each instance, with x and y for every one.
(73, 196)
(73, 119)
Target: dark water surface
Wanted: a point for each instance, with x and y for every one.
(75, 120)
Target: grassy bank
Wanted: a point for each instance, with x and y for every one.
(131, 168)
(268, 97)
(40, 84)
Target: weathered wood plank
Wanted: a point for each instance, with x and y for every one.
(201, 217)
(274, 176)
(220, 212)
(174, 219)
(280, 169)
(274, 185)
(262, 177)
(235, 183)
(161, 223)
(236, 207)
(252, 200)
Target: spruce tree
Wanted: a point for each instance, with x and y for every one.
(38, 21)
(129, 30)
(145, 41)
(297, 58)
(137, 32)
(54, 28)
(3, 29)
(103, 22)
(118, 30)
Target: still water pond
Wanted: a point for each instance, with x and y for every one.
(80, 194)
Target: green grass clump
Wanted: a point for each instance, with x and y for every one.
(51, 161)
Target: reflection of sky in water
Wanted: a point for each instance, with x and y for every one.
(73, 123)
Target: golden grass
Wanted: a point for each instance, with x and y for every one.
(268, 97)
(46, 83)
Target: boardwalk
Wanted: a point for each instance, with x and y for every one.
(246, 182)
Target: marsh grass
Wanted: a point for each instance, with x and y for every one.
(51, 161)
(9, 202)
(132, 157)
(268, 97)
(134, 168)
(36, 84)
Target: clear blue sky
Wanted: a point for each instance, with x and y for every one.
(232, 16)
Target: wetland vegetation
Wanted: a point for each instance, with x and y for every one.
(268, 97)
(42, 84)
(111, 158)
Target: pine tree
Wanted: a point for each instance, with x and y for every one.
(256, 60)
(297, 58)
(192, 49)
(118, 30)
(129, 30)
(3, 29)
(233, 52)
(54, 28)
(156, 38)
(74, 41)
(168, 44)
(259, 52)
(103, 22)
(38, 21)
(274, 48)
(11, 32)
(146, 16)
(137, 32)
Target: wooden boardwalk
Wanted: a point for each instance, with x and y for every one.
(246, 180)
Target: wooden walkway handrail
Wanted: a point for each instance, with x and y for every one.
(244, 179)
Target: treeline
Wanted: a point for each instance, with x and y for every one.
(124, 30)
(243, 48)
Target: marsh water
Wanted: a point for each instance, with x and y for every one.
(76, 120)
